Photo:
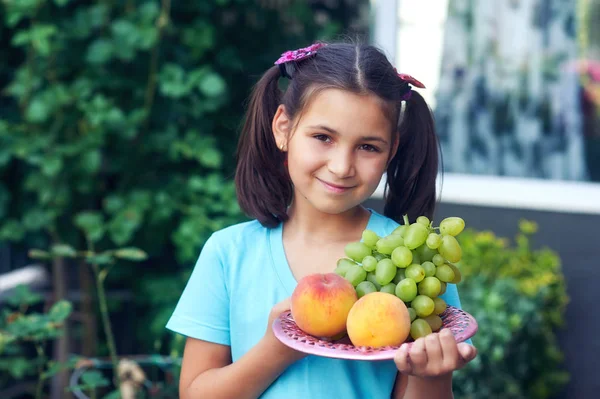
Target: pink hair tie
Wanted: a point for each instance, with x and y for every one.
(410, 81)
(295, 56)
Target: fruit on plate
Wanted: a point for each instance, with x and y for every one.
(378, 319)
(320, 304)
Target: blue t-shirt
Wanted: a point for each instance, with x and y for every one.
(241, 273)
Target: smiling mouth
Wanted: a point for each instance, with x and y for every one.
(335, 187)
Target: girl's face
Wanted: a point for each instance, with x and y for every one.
(338, 151)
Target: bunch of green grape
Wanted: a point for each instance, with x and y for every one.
(415, 263)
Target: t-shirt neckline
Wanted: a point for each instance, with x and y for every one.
(279, 260)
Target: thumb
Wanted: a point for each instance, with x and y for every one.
(467, 352)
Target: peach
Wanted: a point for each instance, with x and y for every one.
(378, 319)
(320, 304)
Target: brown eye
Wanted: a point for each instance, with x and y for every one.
(369, 148)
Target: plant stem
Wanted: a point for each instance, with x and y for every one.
(40, 382)
(100, 276)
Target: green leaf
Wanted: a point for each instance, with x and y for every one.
(39, 254)
(22, 295)
(210, 157)
(99, 52)
(52, 166)
(61, 3)
(37, 219)
(92, 223)
(116, 394)
(12, 230)
(63, 250)
(105, 258)
(57, 367)
(131, 253)
(212, 85)
(91, 379)
(60, 311)
(38, 110)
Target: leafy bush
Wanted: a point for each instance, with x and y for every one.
(121, 117)
(24, 334)
(518, 296)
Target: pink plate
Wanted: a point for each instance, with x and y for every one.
(462, 325)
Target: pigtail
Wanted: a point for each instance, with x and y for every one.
(412, 173)
(263, 187)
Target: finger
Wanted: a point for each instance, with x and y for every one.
(449, 348)
(284, 305)
(418, 356)
(467, 352)
(402, 361)
(433, 349)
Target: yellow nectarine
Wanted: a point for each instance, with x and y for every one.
(378, 319)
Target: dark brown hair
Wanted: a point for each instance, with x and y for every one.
(263, 186)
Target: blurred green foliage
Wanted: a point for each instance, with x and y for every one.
(518, 296)
(121, 117)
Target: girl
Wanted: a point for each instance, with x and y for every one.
(307, 160)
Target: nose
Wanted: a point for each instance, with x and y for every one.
(341, 163)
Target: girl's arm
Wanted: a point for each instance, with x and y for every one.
(207, 370)
(426, 370)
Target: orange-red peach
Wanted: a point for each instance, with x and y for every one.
(321, 303)
(378, 319)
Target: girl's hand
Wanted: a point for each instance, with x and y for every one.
(435, 355)
(275, 346)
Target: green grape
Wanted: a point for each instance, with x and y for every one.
(390, 288)
(415, 272)
(433, 240)
(438, 260)
(406, 290)
(400, 230)
(378, 256)
(429, 268)
(425, 253)
(423, 305)
(372, 278)
(364, 288)
(356, 275)
(416, 258)
(400, 275)
(357, 250)
(452, 226)
(443, 290)
(424, 220)
(430, 286)
(369, 263)
(415, 235)
(450, 249)
(385, 271)
(434, 321)
(419, 328)
(386, 245)
(457, 274)
(402, 256)
(439, 305)
(445, 273)
(370, 238)
(412, 314)
(343, 265)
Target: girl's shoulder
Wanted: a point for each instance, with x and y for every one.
(381, 224)
(239, 235)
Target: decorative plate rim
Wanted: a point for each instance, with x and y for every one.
(462, 324)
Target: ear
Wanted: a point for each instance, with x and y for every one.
(395, 144)
(281, 127)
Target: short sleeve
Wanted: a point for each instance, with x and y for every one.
(452, 299)
(203, 308)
